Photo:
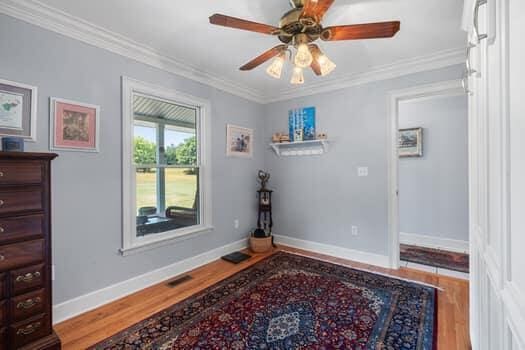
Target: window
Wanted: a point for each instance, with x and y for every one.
(166, 192)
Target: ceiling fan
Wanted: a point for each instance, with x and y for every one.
(300, 28)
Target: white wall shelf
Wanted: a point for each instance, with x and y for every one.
(300, 148)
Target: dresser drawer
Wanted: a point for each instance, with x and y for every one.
(27, 305)
(19, 254)
(21, 227)
(26, 279)
(3, 338)
(3, 285)
(25, 332)
(18, 200)
(3, 313)
(20, 173)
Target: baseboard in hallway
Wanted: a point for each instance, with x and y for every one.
(435, 270)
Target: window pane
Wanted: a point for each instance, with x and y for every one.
(146, 191)
(165, 134)
(181, 187)
(145, 145)
(181, 146)
(182, 196)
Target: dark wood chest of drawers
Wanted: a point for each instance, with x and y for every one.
(25, 252)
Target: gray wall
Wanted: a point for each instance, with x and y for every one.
(319, 198)
(316, 198)
(87, 187)
(433, 189)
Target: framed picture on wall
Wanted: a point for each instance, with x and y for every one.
(239, 141)
(18, 110)
(301, 124)
(410, 142)
(74, 126)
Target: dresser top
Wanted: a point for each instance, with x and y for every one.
(27, 155)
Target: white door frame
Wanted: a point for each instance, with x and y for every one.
(440, 89)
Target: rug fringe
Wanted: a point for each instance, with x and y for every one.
(365, 270)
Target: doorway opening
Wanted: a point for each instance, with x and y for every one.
(429, 209)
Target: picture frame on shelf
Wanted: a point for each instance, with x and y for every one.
(74, 126)
(18, 110)
(239, 141)
(301, 124)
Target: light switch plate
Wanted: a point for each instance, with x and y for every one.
(362, 171)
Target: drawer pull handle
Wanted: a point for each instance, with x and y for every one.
(29, 303)
(28, 329)
(1, 202)
(1, 174)
(28, 277)
(2, 230)
(2, 257)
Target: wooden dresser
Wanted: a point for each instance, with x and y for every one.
(25, 252)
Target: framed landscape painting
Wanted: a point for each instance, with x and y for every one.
(239, 141)
(18, 110)
(74, 126)
(410, 142)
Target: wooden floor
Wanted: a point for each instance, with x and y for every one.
(94, 326)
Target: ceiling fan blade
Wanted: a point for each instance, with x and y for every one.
(316, 9)
(257, 61)
(316, 51)
(361, 31)
(232, 22)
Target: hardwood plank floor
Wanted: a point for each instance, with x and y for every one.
(96, 325)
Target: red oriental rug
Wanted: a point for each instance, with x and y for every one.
(288, 301)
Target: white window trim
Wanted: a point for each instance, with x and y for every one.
(130, 242)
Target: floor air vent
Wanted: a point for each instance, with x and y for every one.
(179, 280)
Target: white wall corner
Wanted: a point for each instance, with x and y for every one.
(92, 300)
(335, 251)
(427, 241)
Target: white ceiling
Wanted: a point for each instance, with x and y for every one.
(180, 30)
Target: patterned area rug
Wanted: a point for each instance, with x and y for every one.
(435, 257)
(290, 302)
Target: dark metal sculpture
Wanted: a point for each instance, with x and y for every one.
(263, 179)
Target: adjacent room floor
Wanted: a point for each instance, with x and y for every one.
(94, 326)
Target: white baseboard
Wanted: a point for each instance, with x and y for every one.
(335, 251)
(86, 302)
(453, 245)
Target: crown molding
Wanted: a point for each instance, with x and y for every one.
(396, 69)
(37, 13)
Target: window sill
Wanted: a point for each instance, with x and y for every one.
(141, 246)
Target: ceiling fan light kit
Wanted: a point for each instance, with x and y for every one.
(275, 69)
(297, 76)
(299, 28)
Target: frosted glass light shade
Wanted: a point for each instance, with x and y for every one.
(297, 76)
(325, 65)
(276, 68)
(303, 57)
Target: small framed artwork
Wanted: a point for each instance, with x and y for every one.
(74, 126)
(239, 141)
(410, 142)
(301, 124)
(18, 110)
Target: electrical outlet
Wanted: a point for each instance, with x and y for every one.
(355, 231)
(362, 171)
(52, 272)
(236, 223)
